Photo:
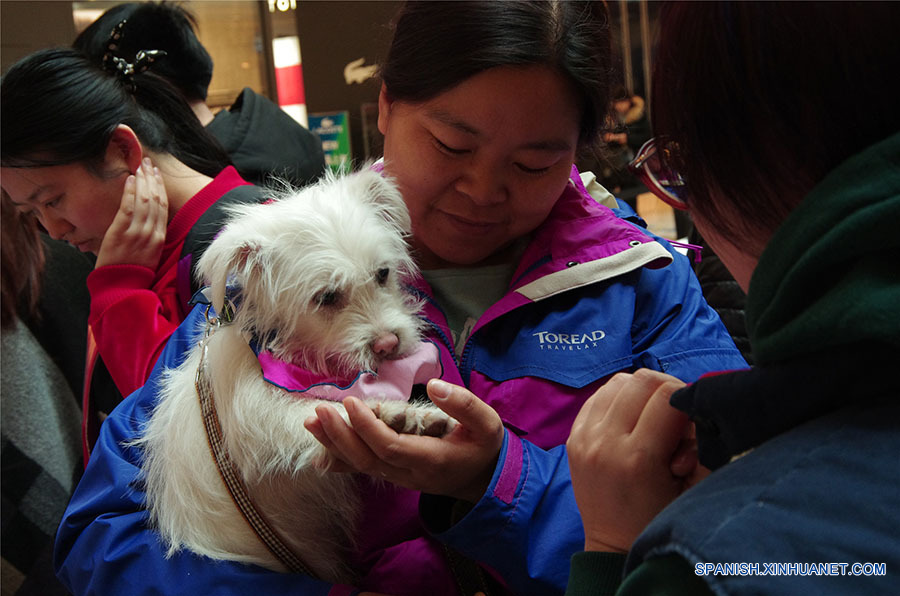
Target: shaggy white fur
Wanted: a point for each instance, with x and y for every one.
(319, 273)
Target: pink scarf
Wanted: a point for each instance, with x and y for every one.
(393, 381)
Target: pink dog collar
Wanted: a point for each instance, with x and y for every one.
(393, 381)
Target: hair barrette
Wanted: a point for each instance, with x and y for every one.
(122, 68)
(112, 46)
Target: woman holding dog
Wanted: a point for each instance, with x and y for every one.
(113, 162)
(804, 212)
(538, 290)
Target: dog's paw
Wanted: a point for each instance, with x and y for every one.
(414, 419)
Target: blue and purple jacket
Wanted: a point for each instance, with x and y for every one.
(594, 294)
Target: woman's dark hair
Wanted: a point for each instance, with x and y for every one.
(60, 108)
(438, 45)
(154, 26)
(766, 98)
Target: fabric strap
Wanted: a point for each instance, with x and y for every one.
(230, 476)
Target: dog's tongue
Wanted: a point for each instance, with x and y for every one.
(394, 380)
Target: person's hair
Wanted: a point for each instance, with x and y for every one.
(21, 261)
(765, 98)
(154, 26)
(437, 45)
(60, 108)
(620, 93)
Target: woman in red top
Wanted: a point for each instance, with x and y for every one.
(113, 161)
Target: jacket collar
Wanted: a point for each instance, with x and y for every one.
(828, 275)
(583, 242)
(737, 411)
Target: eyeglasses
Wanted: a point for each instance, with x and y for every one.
(652, 166)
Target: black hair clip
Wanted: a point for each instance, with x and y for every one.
(112, 46)
(142, 61)
(123, 69)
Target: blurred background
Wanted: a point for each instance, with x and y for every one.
(317, 60)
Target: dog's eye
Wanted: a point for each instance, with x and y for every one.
(327, 298)
(382, 275)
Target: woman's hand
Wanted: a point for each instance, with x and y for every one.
(630, 455)
(459, 464)
(138, 231)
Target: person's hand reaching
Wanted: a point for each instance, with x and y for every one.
(630, 454)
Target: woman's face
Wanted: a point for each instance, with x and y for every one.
(482, 164)
(73, 203)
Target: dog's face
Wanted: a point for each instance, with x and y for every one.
(320, 273)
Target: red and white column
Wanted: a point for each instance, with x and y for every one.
(289, 77)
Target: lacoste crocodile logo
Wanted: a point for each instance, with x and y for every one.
(355, 72)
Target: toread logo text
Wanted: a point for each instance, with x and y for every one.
(548, 340)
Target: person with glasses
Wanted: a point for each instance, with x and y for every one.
(535, 291)
(794, 181)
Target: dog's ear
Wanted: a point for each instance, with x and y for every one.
(382, 191)
(225, 256)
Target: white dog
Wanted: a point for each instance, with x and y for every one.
(318, 294)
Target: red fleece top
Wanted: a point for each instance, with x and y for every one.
(134, 309)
